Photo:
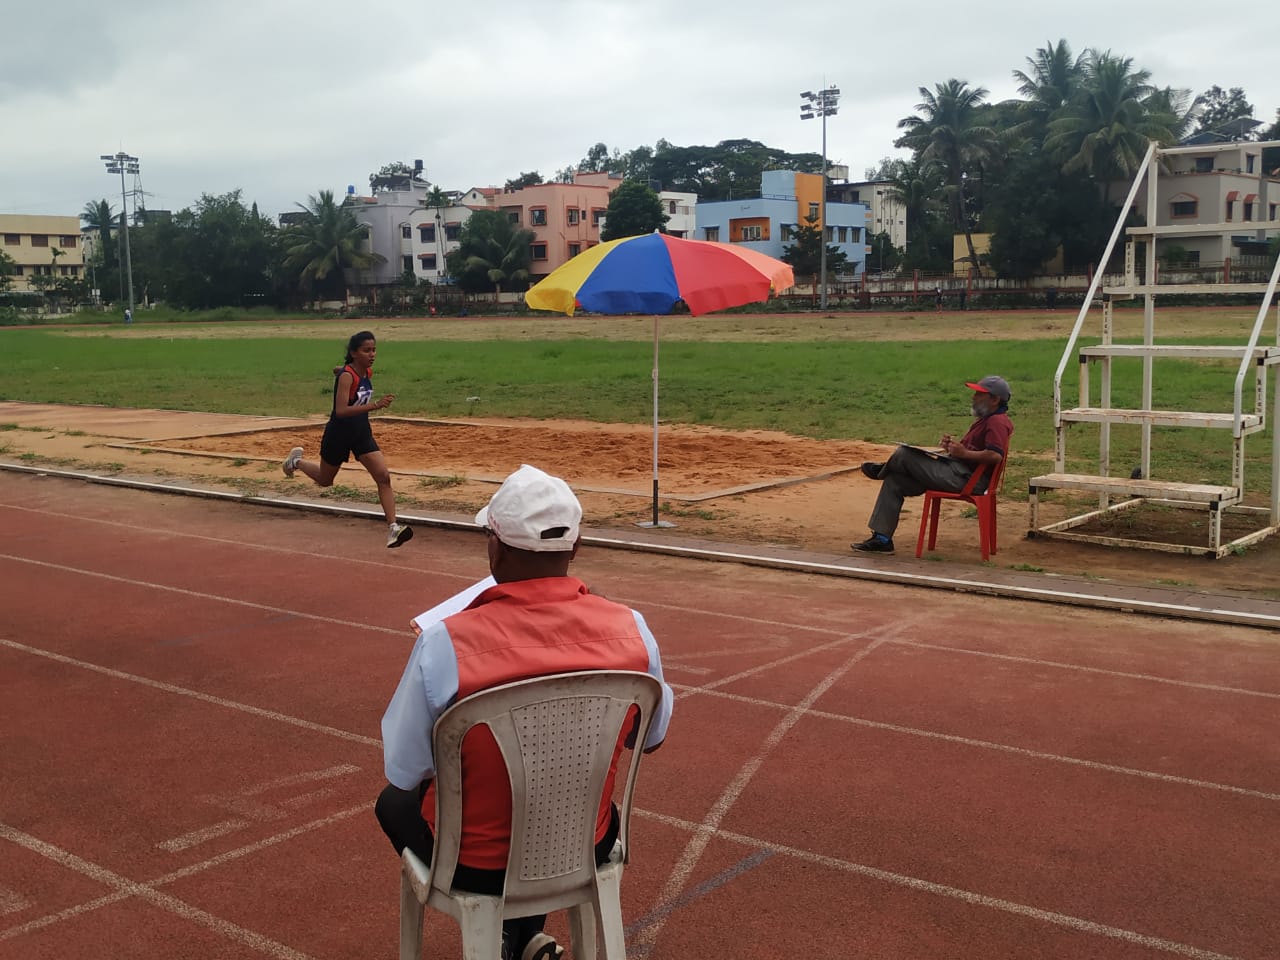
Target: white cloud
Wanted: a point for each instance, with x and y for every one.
(285, 98)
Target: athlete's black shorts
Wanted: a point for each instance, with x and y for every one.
(340, 442)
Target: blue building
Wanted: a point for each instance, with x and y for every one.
(768, 222)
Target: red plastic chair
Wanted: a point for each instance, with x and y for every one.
(984, 502)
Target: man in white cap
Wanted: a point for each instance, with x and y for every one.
(910, 471)
(537, 620)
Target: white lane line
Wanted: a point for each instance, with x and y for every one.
(1103, 671)
(11, 901)
(227, 857)
(992, 745)
(956, 893)
(200, 595)
(702, 836)
(844, 640)
(297, 779)
(196, 837)
(194, 694)
(170, 904)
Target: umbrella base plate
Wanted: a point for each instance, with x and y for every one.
(649, 524)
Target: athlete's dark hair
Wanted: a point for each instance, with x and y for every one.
(354, 343)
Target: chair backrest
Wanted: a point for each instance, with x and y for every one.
(993, 486)
(558, 735)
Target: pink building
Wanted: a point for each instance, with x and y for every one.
(564, 217)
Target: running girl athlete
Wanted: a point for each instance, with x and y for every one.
(348, 433)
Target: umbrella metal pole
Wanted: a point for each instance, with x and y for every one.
(655, 421)
(655, 522)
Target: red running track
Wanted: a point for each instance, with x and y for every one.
(190, 693)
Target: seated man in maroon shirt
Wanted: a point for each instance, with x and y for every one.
(910, 471)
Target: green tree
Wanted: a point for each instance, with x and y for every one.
(1219, 107)
(525, 180)
(326, 242)
(97, 215)
(633, 209)
(805, 252)
(947, 135)
(396, 175)
(492, 255)
(437, 200)
(1107, 129)
(8, 267)
(1052, 80)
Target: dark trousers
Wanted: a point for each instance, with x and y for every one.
(909, 473)
(399, 813)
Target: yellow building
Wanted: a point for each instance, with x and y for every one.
(982, 246)
(48, 246)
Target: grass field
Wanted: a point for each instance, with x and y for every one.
(878, 377)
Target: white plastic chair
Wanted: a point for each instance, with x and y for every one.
(557, 735)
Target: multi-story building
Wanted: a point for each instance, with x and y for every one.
(787, 200)
(1219, 185)
(886, 214)
(565, 218)
(41, 246)
(408, 233)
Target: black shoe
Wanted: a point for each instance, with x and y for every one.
(872, 470)
(873, 545)
(542, 947)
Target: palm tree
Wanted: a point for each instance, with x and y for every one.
(1106, 131)
(326, 243)
(492, 250)
(437, 200)
(947, 136)
(1055, 77)
(97, 215)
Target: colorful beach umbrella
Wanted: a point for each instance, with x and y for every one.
(650, 274)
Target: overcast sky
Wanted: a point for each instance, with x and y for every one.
(283, 98)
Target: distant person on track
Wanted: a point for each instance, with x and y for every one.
(910, 471)
(536, 621)
(348, 433)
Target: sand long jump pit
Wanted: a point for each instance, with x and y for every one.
(695, 463)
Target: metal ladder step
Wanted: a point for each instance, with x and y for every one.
(1250, 422)
(1125, 487)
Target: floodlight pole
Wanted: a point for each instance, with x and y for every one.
(821, 104)
(122, 163)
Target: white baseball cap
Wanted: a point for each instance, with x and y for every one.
(533, 510)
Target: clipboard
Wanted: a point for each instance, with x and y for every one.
(448, 607)
(934, 453)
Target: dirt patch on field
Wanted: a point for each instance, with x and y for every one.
(752, 487)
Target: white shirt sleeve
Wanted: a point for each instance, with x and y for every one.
(658, 729)
(427, 688)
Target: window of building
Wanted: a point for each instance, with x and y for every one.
(427, 234)
(428, 260)
(597, 214)
(1183, 208)
(12, 239)
(855, 234)
(785, 230)
(813, 211)
(406, 231)
(538, 217)
(1248, 162)
(572, 215)
(537, 251)
(406, 263)
(1273, 211)
(1231, 210)
(39, 240)
(17, 270)
(751, 231)
(842, 234)
(69, 242)
(712, 234)
(671, 206)
(452, 231)
(514, 217)
(1204, 164)
(575, 249)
